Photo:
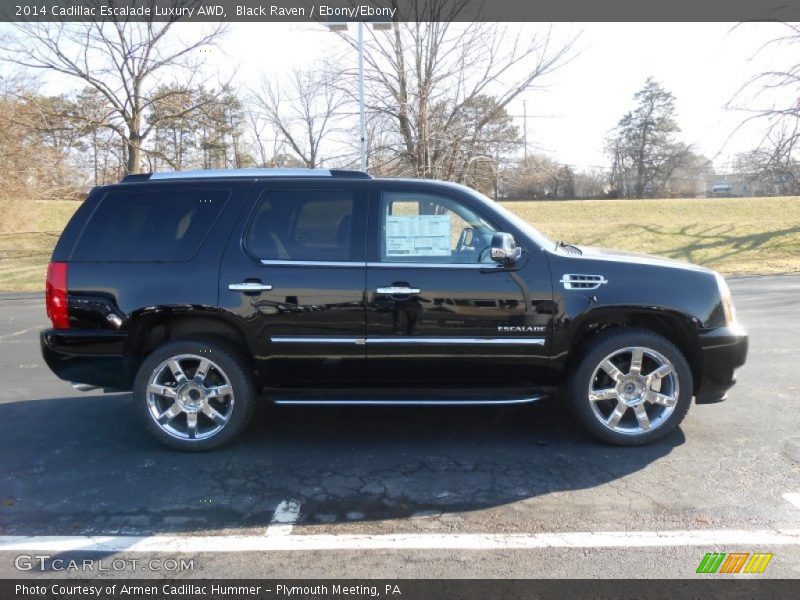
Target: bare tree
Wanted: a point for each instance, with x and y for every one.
(591, 183)
(120, 59)
(773, 168)
(426, 76)
(775, 102)
(255, 130)
(34, 153)
(91, 117)
(304, 110)
(540, 177)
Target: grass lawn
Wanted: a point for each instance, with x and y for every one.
(737, 236)
(28, 232)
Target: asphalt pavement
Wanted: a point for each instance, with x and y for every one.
(505, 492)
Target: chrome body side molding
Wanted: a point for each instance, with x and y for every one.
(377, 265)
(422, 265)
(428, 341)
(313, 263)
(503, 341)
(313, 339)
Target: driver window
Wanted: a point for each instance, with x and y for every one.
(425, 228)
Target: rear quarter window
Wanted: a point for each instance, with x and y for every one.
(149, 225)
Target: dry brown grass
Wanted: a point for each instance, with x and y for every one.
(737, 236)
(28, 232)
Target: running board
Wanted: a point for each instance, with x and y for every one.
(299, 402)
(361, 399)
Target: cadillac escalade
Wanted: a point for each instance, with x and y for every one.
(204, 292)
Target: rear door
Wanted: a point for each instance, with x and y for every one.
(294, 274)
(439, 310)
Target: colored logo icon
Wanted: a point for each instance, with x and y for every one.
(734, 562)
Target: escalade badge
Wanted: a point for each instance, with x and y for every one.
(519, 328)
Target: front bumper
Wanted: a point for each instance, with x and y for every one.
(93, 357)
(724, 349)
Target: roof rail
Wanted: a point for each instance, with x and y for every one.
(228, 173)
(347, 173)
(136, 177)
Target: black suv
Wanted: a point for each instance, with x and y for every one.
(203, 291)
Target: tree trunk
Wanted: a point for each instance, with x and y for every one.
(95, 158)
(134, 141)
(134, 146)
(134, 152)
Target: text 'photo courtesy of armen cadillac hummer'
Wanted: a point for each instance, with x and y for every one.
(205, 292)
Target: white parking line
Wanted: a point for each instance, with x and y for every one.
(20, 332)
(411, 541)
(284, 519)
(792, 498)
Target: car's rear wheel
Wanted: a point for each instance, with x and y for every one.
(630, 387)
(194, 395)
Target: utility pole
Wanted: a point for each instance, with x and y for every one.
(525, 127)
(362, 116)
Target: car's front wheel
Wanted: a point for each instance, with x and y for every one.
(194, 395)
(630, 387)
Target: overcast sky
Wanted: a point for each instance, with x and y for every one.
(702, 64)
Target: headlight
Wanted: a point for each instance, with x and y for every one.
(727, 301)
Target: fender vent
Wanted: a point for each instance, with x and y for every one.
(573, 281)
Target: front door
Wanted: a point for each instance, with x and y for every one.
(294, 274)
(439, 310)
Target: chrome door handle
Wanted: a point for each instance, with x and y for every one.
(398, 291)
(249, 286)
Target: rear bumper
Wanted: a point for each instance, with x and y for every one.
(93, 357)
(724, 350)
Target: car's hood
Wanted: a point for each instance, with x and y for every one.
(636, 258)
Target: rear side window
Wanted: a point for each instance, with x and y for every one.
(304, 225)
(149, 226)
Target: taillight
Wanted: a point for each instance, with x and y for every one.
(56, 295)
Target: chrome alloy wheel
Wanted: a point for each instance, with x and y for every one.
(189, 397)
(633, 390)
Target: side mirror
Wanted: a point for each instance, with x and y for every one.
(505, 249)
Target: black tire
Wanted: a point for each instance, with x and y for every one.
(582, 377)
(227, 364)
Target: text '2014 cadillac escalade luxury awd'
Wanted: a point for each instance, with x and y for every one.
(204, 291)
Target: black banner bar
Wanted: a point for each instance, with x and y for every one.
(399, 10)
(399, 589)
